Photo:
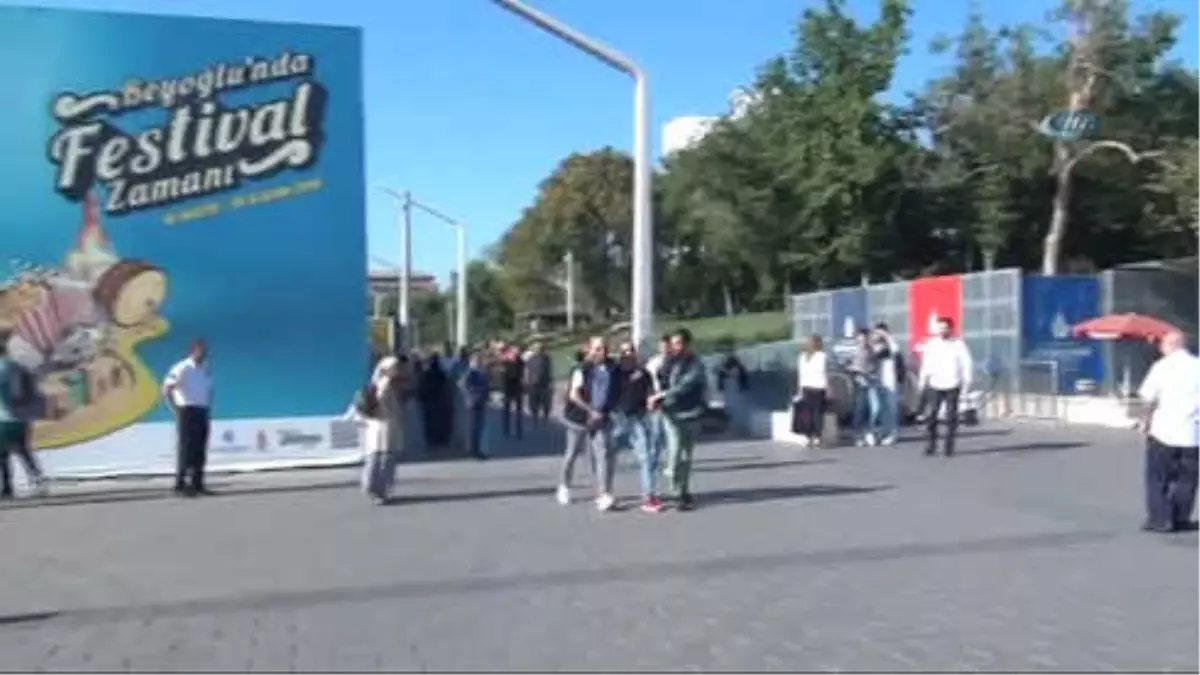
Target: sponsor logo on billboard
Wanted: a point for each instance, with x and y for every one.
(204, 146)
(343, 434)
(294, 437)
(1069, 125)
(229, 443)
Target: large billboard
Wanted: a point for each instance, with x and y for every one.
(171, 178)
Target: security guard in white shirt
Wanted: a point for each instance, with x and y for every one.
(945, 374)
(1171, 392)
(188, 390)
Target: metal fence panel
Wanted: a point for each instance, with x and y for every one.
(889, 303)
(1169, 294)
(991, 324)
(811, 315)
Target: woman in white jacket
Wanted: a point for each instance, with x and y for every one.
(381, 408)
(812, 385)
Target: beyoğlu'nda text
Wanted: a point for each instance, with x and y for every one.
(203, 147)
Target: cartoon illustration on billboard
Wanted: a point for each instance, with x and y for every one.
(75, 327)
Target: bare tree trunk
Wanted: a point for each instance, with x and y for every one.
(1060, 216)
(989, 260)
(727, 294)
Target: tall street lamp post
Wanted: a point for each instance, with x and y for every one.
(643, 226)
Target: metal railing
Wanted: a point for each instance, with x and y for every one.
(1038, 394)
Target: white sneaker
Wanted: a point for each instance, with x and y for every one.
(888, 440)
(605, 502)
(563, 495)
(804, 442)
(870, 439)
(816, 442)
(860, 442)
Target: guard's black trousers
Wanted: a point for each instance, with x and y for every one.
(1171, 474)
(192, 427)
(513, 413)
(936, 399)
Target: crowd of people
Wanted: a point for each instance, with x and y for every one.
(877, 370)
(650, 406)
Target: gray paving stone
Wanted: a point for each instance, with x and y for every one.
(1021, 554)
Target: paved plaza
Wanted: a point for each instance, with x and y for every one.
(1023, 553)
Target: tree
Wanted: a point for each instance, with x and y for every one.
(1175, 181)
(585, 207)
(1101, 52)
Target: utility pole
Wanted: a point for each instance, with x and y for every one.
(642, 305)
(569, 260)
(405, 269)
(463, 306)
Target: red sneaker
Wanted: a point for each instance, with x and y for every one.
(651, 505)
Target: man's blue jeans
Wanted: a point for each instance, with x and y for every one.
(637, 431)
(866, 408)
(888, 418)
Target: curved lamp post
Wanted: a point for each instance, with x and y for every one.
(642, 307)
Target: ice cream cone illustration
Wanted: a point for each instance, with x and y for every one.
(77, 327)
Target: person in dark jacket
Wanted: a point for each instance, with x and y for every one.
(631, 422)
(539, 382)
(683, 403)
(513, 390)
(475, 391)
(592, 394)
(436, 404)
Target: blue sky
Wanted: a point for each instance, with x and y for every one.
(470, 108)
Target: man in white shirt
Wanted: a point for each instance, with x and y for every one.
(188, 391)
(945, 375)
(1171, 392)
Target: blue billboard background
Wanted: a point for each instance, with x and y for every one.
(1049, 307)
(848, 309)
(271, 272)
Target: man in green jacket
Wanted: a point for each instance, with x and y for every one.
(683, 403)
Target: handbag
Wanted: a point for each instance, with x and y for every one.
(800, 417)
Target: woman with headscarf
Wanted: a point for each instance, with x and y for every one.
(435, 403)
(380, 406)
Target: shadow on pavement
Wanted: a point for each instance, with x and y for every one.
(762, 466)
(407, 499)
(1024, 447)
(145, 494)
(771, 494)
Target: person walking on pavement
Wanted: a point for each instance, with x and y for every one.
(28, 411)
(864, 373)
(592, 394)
(13, 396)
(946, 371)
(539, 382)
(475, 392)
(1171, 393)
(812, 372)
(656, 366)
(891, 383)
(631, 422)
(188, 390)
(683, 403)
(380, 406)
(513, 383)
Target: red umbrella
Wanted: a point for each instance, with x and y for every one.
(1123, 327)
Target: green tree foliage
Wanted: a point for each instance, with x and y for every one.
(821, 182)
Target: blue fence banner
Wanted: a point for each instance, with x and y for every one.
(848, 311)
(1049, 307)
